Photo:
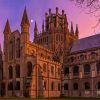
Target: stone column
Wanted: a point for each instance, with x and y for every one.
(93, 74)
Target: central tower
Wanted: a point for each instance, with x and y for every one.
(55, 34)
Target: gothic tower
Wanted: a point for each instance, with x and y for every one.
(25, 24)
(7, 33)
(55, 35)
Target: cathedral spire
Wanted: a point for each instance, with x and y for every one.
(72, 30)
(7, 28)
(43, 26)
(35, 28)
(25, 27)
(25, 19)
(35, 32)
(77, 31)
(66, 22)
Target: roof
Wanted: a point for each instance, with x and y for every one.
(86, 43)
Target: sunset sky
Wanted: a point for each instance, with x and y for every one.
(13, 10)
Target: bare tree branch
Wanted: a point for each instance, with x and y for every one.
(91, 6)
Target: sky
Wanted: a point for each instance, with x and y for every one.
(13, 10)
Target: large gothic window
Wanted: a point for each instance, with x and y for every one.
(76, 70)
(98, 67)
(75, 86)
(98, 85)
(66, 70)
(11, 50)
(45, 85)
(87, 86)
(52, 86)
(10, 86)
(10, 72)
(17, 71)
(18, 48)
(65, 86)
(87, 69)
(17, 87)
(58, 86)
(29, 69)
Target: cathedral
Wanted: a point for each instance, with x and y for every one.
(56, 63)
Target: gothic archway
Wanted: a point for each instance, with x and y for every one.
(29, 69)
(87, 69)
(10, 72)
(17, 69)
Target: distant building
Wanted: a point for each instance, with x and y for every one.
(45, 66)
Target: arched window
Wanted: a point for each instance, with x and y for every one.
(87, 69)
(45, 85)
(98, 67)
(44, 67)
(17, 71)
(72, 58)
(17, 87)
(10, 86)
(65, 86)
(93, 55)
(11, 50)
(98, 85)
(75, 70)
(59, 71)
(52, 69)
(10, 72)
(29, 69)
(58, 86)
(75, 86)
(18, 48)
(52, 86)
(82, 57)
(87, 86)
(66, 70)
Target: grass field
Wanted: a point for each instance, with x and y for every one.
(50, 99)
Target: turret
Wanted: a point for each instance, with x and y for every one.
(63, 19)
(49, 11)
(7, 33)
(35, 32)
(46, 23)
(72, 30)
(65, 24)
(57, 17)
(57, 10)
(43, 27)
(50, 18)
(25, 24)
(7, 30)
(77, 31)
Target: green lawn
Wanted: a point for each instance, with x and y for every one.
(50, 99)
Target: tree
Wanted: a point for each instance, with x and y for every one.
(91, 7)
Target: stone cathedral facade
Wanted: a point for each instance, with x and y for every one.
(56, 63)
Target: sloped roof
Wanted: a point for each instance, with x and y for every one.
(86, 43)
